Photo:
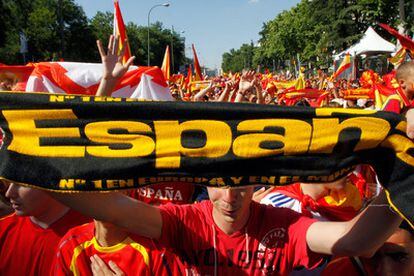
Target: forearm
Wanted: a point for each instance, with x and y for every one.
(224, 96)
(259, 93)
(239, 97)
(116, 208)
(362, 235)
(181, 93)
(201, 94)
(106, 87)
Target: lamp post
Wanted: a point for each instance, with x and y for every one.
(149, 12)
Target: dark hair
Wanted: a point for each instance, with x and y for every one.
(405, 226)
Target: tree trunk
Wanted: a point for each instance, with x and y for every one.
(401, 6)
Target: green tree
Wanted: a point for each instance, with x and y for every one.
(102, 26)
(314, 29)
(51, 26)
(240, 59)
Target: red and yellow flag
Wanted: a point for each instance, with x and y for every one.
(120, 30)
(398, 58)
(189, 78)
(406, 41)
(165, 68)
(197, 68)
(345, 64)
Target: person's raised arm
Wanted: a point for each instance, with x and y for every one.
(259, 91)
(224, 97)
(246, 83)
(116, 208)
(361, 236)
(113, 69)
(200, 95)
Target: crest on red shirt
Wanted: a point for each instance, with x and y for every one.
(273, 238)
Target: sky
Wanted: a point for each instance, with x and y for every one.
(213, 26)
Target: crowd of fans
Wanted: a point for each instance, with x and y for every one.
(179, 229)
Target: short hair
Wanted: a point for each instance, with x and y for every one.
(405, 226)
(405, 70)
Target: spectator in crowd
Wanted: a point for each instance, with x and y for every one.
(7, 82)
(394, 257)
(5, 207)
(101, 248)
(230, 234)
(336, 201)
(30, 236)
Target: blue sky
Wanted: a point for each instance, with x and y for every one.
(213, 26)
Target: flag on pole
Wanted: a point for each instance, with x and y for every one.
(399, 57)
(197, 68)
(189, 78)
(406, 42)
(165, 68)
(120, 30)
(345, 64)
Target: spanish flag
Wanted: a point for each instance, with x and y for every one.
(197, 68)
(398, 58)
(406, 42)
(189, 78)
(346, 64)
(165, 68)
(120, 30)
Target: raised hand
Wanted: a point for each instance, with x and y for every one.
(246, 81)
(113, 69)
(112, 60)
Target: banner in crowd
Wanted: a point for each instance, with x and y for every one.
(79, 143)
(84, 78)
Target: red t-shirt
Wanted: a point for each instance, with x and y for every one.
(393, 104)
(134, 256)
(28, 249)
(345, 266)
(159, 194)
(272, 243)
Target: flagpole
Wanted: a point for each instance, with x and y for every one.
(172, 48)
(149, 13)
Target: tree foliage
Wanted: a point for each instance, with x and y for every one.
(315, 29)
(60, 29)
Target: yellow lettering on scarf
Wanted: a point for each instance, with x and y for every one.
(137, 145)
(294, 140)
(27, 136)
(326, 133)
(169, 144)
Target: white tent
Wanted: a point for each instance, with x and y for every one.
(370, 43)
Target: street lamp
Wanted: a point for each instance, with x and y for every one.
(153, 7)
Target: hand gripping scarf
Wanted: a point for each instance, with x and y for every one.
(84, 143)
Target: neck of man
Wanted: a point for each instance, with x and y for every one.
(229, 225)
(315, 191)
(50, 215)
(108, 234)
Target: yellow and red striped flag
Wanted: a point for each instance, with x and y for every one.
(197, 68)
(189, 78)
(165, 68)
(346, 63)
(398, 58)
(120, 30)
